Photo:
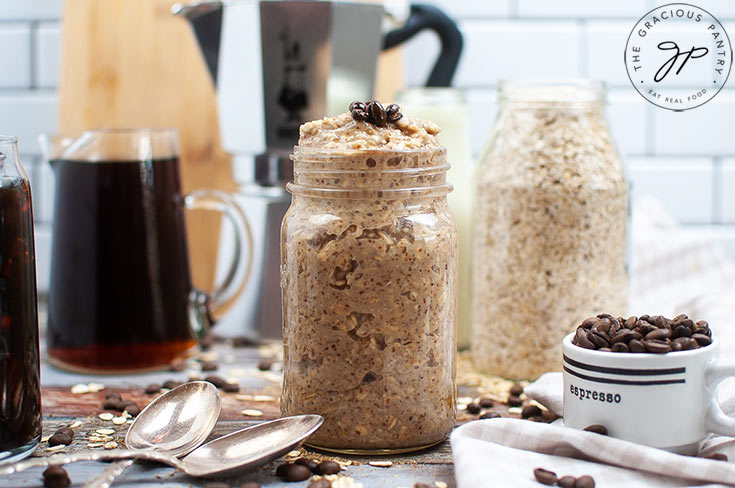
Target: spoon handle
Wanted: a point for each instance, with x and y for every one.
(109, 475)
(58, 459)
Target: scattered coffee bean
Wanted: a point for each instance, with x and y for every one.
(231, 387)
(56, 477)
(584, 482)
(531, 411)
(171, 384)
(250, 484)
(281, 469)
(490, 415)
(111, 404)
(209, 365)
(58, 439)
(545, 477)
(653, 334)
(419, 484)
(217, 381)
(309, 463)
(177, 365)
(597, 429)
(717, 456)
(66, 431)
(514, 401)
(474, 408)
(152, 389)
(266, 364)
(113, 396)
(567, 481)
(132, 408)
(328, 467)
(320, 483)
(486, 403)
(295, 472)
(516, 390)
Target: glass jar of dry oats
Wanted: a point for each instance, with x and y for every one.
(369, 277)
(550, 225)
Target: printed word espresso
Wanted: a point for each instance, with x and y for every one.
(600, 396)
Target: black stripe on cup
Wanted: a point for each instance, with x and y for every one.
(615, 381)
(624, 371)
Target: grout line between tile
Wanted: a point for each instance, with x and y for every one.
(34, 54)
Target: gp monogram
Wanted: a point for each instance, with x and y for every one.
(678, 56)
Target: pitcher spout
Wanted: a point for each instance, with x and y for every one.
(206, 21)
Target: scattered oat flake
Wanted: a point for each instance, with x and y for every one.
(119, 420)
(106, 416)
(345, 482)
(515, 410)
(105, 431)
(440, 484)
(293, 454)
(251, 412)
(110, 445)
(56, 448)
(464, 400)
(208, 356)
(79, 389)
(76, 425)
(194, 376)
(381, 464)
(95, 387)
(45, 438)
(95, 444)
(263, 398)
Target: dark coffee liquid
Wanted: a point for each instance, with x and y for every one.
(120, 278)
(20, 391)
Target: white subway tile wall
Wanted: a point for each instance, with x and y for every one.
(685, 159)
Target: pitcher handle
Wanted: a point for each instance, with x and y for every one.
(203, 305)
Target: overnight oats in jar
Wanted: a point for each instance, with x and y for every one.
(369, 265)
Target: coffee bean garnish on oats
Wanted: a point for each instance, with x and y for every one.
(374, 113)
(653, 334)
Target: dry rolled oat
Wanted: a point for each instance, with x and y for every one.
(550, 228)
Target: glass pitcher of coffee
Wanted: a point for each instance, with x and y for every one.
(121, 297)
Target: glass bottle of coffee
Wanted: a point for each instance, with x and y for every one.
(20, 392)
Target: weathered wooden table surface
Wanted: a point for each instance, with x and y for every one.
(61, 408)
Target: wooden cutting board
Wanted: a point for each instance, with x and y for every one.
(131, 63)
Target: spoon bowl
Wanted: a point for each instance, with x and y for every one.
(248, 448)
(177, 421)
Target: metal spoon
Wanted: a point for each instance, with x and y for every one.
(175, 423)
(228, 455)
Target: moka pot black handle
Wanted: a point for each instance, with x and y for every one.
(425, 16)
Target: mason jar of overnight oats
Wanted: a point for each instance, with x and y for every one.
(369, 264)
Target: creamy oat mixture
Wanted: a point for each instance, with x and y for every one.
(550, 235)
(369, 286)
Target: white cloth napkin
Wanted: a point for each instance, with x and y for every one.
(672, 271)
(504, 452)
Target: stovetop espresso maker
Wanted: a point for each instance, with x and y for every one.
(276, 65)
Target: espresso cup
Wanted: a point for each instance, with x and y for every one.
(666, 401)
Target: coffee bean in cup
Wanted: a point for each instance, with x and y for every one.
(652, 334)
